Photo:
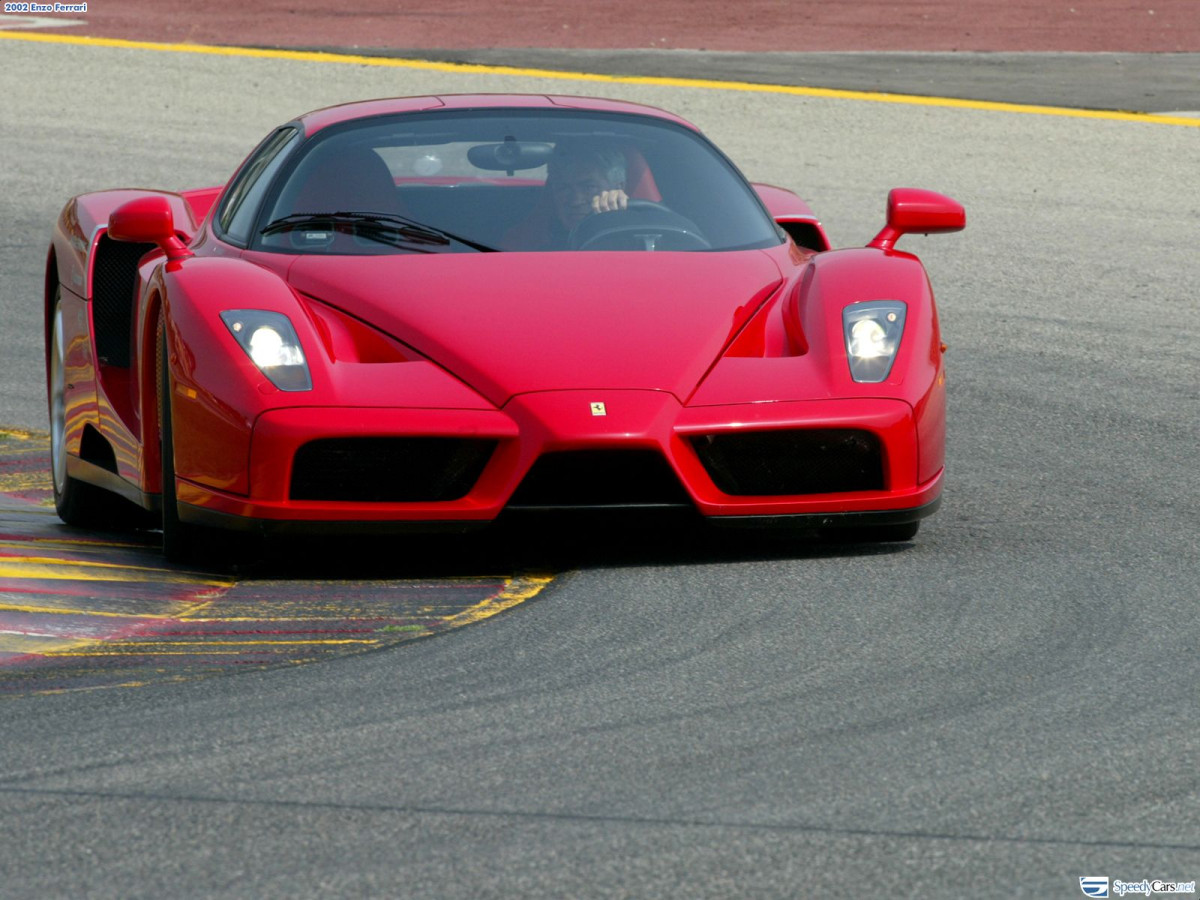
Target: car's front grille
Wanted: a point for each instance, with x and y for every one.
(389, 469)
(805, 461)
(600, 478)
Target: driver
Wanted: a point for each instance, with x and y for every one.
(583, 181)
(580, 180)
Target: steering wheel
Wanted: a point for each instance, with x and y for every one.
(642, 225)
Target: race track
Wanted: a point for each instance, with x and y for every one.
(994, 710)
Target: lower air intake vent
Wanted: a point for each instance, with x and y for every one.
(809, 461)
(388, 470)
(581, 478)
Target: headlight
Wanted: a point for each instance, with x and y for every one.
(271, 343)
(873, 330)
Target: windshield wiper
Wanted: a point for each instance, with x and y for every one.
(377, 225)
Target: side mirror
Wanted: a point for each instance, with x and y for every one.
(148, 220)
(914, 211)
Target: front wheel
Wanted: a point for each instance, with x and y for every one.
(76, 502)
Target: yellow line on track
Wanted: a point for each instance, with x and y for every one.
(151, 652)
(364, 618)
(41, 568)
(50, 692)
(35, 644)
(65, 611)
(516, 590)
(67, 542)
(16, 442)
(149, 644)
(513, 71)
(22, 434)
(25, 481)
(207, 600)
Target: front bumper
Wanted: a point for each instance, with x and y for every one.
(580, 427)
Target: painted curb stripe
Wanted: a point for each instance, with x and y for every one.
(517, 590)
(83, 613)
(146, 638)
(46, 569)
(698, 83)
(72, 620)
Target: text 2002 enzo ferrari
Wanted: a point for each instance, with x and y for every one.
(420, 312)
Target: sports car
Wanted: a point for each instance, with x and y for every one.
(419, 313)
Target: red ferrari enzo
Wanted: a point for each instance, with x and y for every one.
(420, 312)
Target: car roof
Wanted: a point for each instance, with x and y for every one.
(334, 115)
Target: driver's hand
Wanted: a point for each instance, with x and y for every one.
(610, 201)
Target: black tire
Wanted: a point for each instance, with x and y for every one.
(77, 503)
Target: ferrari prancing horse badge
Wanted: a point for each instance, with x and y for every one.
(599, 410)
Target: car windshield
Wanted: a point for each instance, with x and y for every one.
(513, 180)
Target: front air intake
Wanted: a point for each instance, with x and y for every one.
(805, 461)
(389, 469)
(599, 478)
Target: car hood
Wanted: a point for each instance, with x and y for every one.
(511, 323)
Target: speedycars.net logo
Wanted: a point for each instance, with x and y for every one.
(1093, 886)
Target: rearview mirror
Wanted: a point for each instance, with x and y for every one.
(510, 156)
(915, 211)
(148, 220)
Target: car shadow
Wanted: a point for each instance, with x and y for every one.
(549, 544)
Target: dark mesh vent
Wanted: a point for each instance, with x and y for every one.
(600, 478)
(810, 461)
(113, 274)
(388, 470)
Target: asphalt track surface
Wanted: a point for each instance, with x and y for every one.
(994, 710)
